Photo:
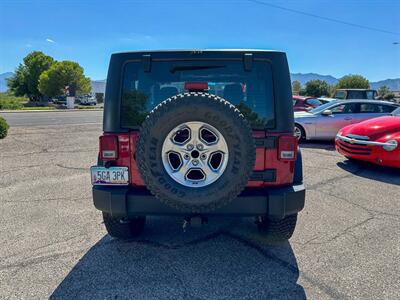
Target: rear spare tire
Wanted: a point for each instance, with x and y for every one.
(195, 152)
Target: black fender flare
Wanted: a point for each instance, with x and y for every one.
(298, 168)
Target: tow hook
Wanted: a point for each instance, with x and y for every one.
(194, 221)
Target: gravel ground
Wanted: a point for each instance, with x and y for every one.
(346, 245)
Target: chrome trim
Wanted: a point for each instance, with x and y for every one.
(358, 137)
(361, 142)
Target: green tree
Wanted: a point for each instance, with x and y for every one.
(317, 88)
(389, 96)
(385, 93)
(383, 90)
(353, 82)
(61, 74)
(26, 79)
(296, 87)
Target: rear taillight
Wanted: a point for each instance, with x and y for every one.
(287, 148)
(109, 147)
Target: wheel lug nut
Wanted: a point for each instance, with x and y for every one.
(200, 147)
(189, 147)
(203, 156)
(186, 156)
(195, 162)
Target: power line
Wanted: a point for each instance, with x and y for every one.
(323, 18)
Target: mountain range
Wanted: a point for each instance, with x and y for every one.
(3, 82)
(393, 84)
(98, 86)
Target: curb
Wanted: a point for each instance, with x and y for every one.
(49, 110)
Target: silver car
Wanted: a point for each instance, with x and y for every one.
(323, 122)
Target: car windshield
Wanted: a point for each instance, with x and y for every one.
(250, 91)
(396, 112)
(323, 107)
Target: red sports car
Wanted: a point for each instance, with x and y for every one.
(304, 103)
(375, 140)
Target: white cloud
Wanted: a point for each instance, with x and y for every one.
(50, 41)
(28, 45)
(137, 38)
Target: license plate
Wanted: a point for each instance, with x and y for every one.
(109, 176)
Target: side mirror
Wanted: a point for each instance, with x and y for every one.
(327, 112)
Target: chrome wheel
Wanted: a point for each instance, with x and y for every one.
(195, 154)
(298, 133)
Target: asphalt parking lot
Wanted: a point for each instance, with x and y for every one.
(53, 243)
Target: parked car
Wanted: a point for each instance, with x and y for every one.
(325, 121)
(304, 103)
(88, 100)
(170, 147)
(325, 100)
(376, 140)
(344, 94)
(60, 100)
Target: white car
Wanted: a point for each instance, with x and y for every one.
(88, 101)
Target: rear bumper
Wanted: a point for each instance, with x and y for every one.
(273, 202)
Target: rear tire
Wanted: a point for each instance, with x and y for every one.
(123, 228)
(278, 230)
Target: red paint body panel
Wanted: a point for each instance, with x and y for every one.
(265, 159)
(301, 104)
(284, 169)
(379, 129)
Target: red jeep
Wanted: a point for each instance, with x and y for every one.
(198, 133)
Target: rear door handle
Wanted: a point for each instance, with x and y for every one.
(348, 118)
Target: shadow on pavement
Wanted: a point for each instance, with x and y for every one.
(227, 261)
(324, 145)
(371, 171)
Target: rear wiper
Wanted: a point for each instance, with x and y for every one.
(191, 68)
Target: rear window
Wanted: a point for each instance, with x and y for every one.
(356, 95)
(340, 95)
(313, 102)
(250, 91)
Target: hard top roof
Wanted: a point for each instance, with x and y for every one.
(199, 51)
(355, 90)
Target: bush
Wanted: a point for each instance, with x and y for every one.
(9, 101)
(389, 96)
(3, 128)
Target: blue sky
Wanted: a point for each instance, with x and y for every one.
(89, 31)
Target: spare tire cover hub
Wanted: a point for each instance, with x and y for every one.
(195, 154)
